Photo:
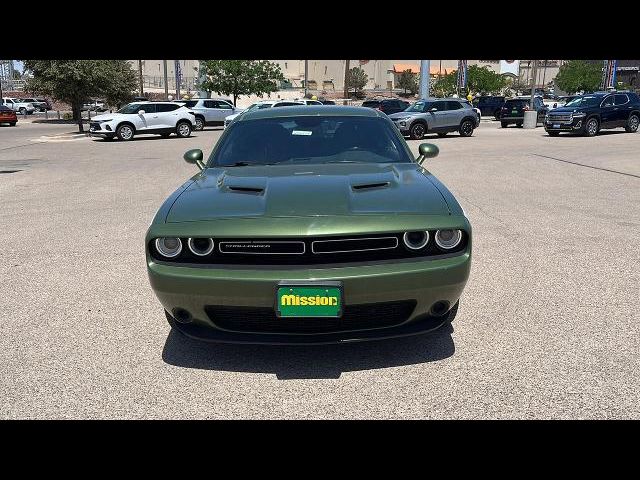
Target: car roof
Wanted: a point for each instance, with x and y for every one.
(310, 111)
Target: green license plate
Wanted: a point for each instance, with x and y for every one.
(309, 300)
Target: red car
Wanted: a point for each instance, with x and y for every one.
(8, 116)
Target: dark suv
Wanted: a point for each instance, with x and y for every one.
(489, 105)
(513, 110)
(388, 106)
(588, 114)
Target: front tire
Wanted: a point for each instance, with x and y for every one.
(592, 127)
(199, 124)
(417, 131)
(466, 128)
(496, 114)
(21, 110)
(183, 129)
(632, 123)
(519, 124)
(504, 124)
(12, 124)
(125, 132)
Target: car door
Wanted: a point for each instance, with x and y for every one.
(622, 107)
(607, 113)
(541, 108)
(147, 120)
(455, 112)
(222, 110)
(167, 115)
(437, 112)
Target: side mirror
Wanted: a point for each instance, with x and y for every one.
(427, 150)
(141, 112)
(194, 156)
(434, 109)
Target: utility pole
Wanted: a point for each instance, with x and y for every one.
(140, 78)
(176, 69)
(166, 81)
(425, 66)
(306, 77)
(346, 78)
(534, 75)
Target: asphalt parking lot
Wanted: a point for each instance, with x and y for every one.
(548, 326)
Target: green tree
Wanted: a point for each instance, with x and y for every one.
(483, 80)
(445, 86)
(356, 79)
(77, 81)
(578, 75)
(408, 81)
(240, 77)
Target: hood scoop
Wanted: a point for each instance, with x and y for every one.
(256, 190)
(368, 186)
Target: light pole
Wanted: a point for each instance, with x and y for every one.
(140, 78)
(166, 81)
(531, 115)
(425, 66)
(346, 78)
(306, 77)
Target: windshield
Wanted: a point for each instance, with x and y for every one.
(586, 101)
(131, 108)
(310, 139)
(420, 106)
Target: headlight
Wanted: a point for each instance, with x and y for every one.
(169, 246)
(103, 121)
(415, 240)
(448, 239)
(578, 114)
(200, 246)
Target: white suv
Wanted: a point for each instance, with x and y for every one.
(261, 105)
(209, 111)
(138, 118)
(18, 105)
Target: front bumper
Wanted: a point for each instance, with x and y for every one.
(425, 281)
(571, 125)
(101, 129)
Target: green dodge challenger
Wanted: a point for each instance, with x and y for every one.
(309, 225)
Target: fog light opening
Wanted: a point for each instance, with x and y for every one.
(181, 315)
(440, 308)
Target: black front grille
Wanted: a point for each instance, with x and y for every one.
(94, 126)
(355, 317)
(308, 250)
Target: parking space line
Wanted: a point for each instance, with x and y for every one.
(588, 166)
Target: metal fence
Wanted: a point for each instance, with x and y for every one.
(188, 83)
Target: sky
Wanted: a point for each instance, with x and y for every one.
(18, 65)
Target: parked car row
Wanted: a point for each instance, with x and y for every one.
(26, 105)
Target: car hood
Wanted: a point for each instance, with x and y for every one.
(308, 190)
(404, 114)
(565, 110)
(109, 116)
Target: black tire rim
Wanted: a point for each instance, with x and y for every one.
(592, 127)
(199, 124)
(418, 130)
(634, 121)
(467, 128)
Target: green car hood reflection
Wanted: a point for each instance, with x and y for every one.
(310, 190)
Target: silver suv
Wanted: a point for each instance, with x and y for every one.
(209, 111)
(436, 115)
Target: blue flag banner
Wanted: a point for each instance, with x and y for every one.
(462, 74)
(609, 74)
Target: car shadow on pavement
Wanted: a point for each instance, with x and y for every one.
(308, 362)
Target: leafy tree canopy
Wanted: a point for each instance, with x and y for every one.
(577, 75)
(78, 81)
(240, 77)
(356, 79)
(408, 81)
